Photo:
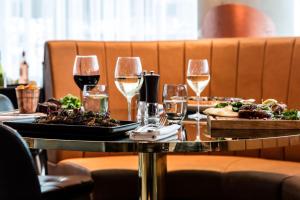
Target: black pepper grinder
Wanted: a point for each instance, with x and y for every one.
(151, 81)
(142, 105)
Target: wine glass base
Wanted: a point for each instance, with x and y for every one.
(197, 116)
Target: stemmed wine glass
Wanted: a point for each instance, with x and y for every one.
(86, 71)
(128, 78)
(198, 78)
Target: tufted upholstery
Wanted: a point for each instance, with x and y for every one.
(246, 67)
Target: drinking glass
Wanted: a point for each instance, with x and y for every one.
(95, 98)
(198, 78)
(128, 78)
(86, 71)
(175, 102)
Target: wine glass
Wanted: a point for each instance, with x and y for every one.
(86, 71)
(175, 102)
(198, 78)
(128, 78)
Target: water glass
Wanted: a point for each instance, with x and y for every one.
(175, 102)
(95, 98)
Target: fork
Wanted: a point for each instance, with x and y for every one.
(162, 122)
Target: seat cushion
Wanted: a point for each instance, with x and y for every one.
(291, 188)
(189, 176)
(108, 174)
(65, 187)
(257, 178)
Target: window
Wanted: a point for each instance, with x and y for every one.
(27, 24)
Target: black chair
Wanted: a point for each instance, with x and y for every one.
(39, 155)
(5, 104)
(19, 180)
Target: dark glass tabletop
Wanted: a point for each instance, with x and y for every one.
(186, 142)
(210, 140)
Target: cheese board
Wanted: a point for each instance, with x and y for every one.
(233, 127)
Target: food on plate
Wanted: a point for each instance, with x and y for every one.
(70, 102)
(30, 86)
(68, 111)
(67, 102)
(50, 105)
(253, 111)
(222, 112)
(269, 102)
(268, 109)
(78, 117)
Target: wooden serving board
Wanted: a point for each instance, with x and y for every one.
(245, 128)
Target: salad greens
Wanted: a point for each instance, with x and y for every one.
(70, 102)
(291, 115)
(222, 105)
(235, 105)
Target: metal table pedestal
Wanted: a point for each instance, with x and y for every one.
(152, 172)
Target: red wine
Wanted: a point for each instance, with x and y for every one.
(86, 80)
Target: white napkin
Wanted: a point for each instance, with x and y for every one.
(149, 133)
(15, 115)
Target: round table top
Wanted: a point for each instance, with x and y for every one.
(186, 141)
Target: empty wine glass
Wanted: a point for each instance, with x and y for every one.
(128, 78)
(86, 71)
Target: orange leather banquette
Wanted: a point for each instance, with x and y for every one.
(258, 68)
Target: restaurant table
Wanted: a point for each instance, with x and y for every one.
(152, 165)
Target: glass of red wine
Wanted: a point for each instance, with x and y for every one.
(86, 71)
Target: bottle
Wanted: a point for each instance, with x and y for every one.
(23, 70)
(2, 76)
(141, 113)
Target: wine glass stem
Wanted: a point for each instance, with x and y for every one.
(129, 108)
(198, 117)
(198, 105)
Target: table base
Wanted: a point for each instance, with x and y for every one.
(152, 172)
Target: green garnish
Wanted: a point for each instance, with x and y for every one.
(70, 102)
(291, 115)
(235, 105)
(221, 105)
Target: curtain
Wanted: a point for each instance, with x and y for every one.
(27, 24)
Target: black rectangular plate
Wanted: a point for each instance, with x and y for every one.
(27, 128)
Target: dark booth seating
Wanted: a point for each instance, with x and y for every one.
(19, 180)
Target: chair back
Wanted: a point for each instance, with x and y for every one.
(236, 20)
(18, 178)
(5, 104)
